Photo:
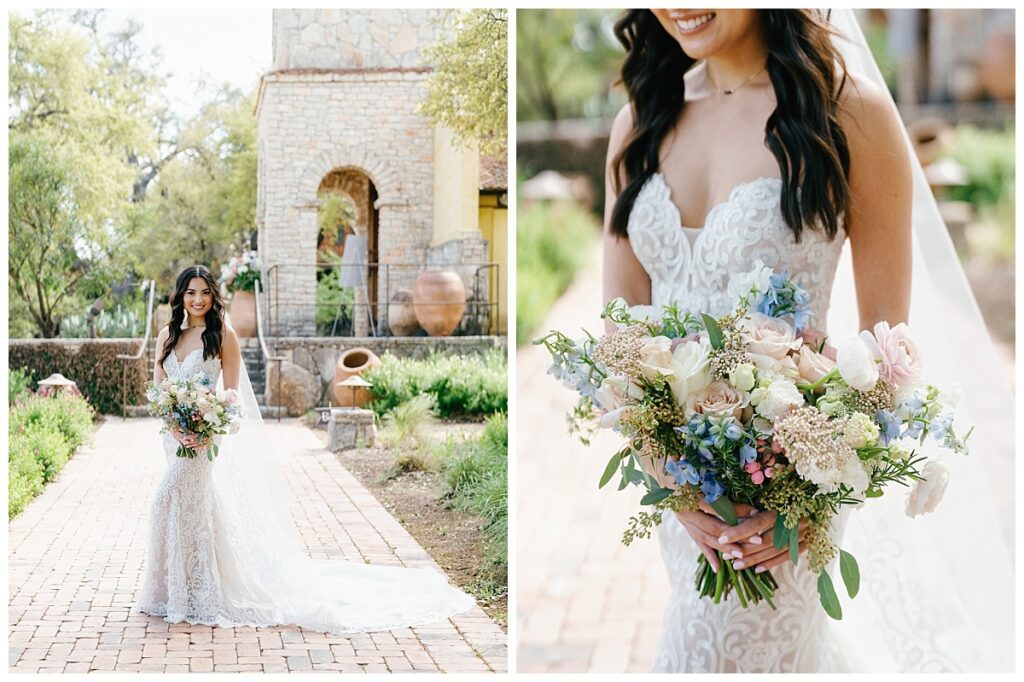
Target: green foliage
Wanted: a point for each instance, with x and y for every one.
(468, 89)
(566, 63)
(471, 385)
(988, 158)
(44, 432)
(476, 479)
(93, 365)
(336, 216)
(18, 384)
(330, 297)
(552, 243)
(403, 425)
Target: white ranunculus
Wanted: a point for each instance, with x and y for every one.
(773, 399)
(690, 369)
(768, 366)
(927, 492)
(742, 377)
(856, 364)
(656, 357)
(645, 313)
(611, 418)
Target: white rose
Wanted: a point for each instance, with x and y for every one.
(716, 398)
(928, 491)
(856, 364)
(656, 357)
(611, 418)
(769, 336)
(774, 399)
(689, 368)
(616, 391)
(647, 313)
(742, 377)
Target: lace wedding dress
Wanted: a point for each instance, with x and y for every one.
(691, 267)
(217, 557)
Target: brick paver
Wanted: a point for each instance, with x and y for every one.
(76, 565)
(585, 603)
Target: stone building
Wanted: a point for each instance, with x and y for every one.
(338, 114)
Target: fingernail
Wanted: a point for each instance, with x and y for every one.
(760, 569)
(738, 565)
(755, 540)
(736, 553)
(754, 512)
(723, 540)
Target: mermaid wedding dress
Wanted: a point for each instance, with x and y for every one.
(691, 267)
(223, 550)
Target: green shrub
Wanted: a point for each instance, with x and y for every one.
(476, 477)
(471, 385)
(24, 477)
(988, 159)
(92, 364)
(18, 383)
(552, 243)
(403, 424)
(68, 416)
(48, 448)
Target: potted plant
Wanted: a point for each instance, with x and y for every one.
(239, 276)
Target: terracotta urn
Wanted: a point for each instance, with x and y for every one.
(353, 362)
(439, 299)
(401, 314)
(243, 313)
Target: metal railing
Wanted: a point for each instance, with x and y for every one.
(143, 351)
(267, 356)
(361, 309)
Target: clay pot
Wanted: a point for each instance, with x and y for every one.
(353, 362)
(439, 299)
(243, 313)
(401, 314)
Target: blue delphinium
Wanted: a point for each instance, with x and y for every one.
(747, 455)
(683, 472)
(785, 297)
(711, 488)
(890, 425)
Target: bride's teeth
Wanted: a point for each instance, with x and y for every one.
(690, 24)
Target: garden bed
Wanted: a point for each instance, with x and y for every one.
(451, 536)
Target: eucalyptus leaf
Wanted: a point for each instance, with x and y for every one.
(850, 572)
(656, 496)
(609, 470)
(794, 545)
(715, 335)
(723, 507)
(829, 599)
(780, 538)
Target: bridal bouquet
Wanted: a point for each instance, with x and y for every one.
(742, 409)
(192, 406)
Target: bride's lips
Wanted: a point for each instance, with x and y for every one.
(692, 23)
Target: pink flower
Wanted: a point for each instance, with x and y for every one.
(813, 366)
(895, 351)
(769, 336)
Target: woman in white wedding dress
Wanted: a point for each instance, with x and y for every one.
(223, 549)
(767, 149)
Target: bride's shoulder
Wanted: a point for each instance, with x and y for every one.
(867, 114)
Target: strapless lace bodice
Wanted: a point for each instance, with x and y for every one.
(737, 232)
(693, 272)
(192, 365)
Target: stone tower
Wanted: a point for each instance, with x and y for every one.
(338, 113)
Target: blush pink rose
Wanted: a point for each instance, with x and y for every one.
(718, 397)
(769, 336)
(813, 366)
(899, 361)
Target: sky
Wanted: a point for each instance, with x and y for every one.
(218, 46)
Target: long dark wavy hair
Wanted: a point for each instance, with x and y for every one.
(214, 332)
(803, 133)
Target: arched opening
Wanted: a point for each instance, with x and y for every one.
(346, 255)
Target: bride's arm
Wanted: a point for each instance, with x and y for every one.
(881, 193)
(624, 276)
(158, 368)
(230, 358)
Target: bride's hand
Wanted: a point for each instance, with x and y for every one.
(707, 529)
(761, 526)
(189, 440)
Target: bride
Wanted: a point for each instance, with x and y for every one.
(223, 549)
(749, 137)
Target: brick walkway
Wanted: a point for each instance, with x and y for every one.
(585, 602)
(76, 563)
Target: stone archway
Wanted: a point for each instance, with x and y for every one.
(359, 270)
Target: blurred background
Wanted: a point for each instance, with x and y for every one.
(590, 604)
(951, 73)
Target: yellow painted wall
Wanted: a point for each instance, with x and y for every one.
(456, 188)
(494, 228)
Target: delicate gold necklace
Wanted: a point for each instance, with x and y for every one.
(729, 91)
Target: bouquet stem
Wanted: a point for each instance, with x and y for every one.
(750, 587)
